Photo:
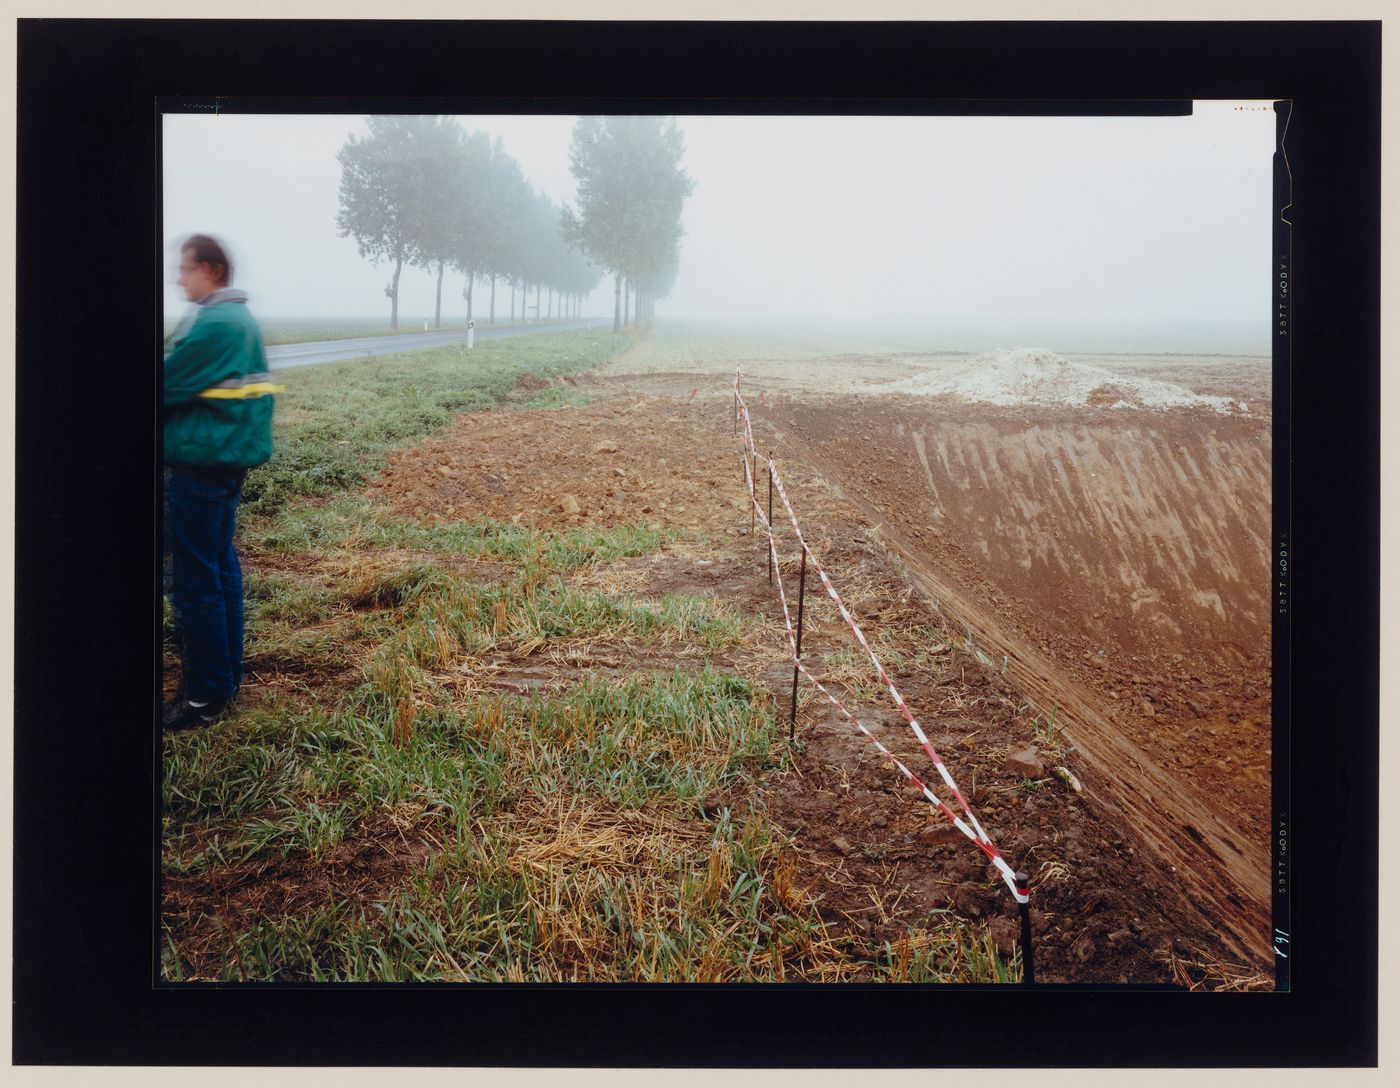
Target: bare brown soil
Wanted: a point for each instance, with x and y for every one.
(567, 467)
(1114, 558)
(1120, 561)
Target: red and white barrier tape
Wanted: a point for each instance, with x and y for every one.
(802, 667)
(975, 832)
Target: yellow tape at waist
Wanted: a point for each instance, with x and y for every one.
(256, 389)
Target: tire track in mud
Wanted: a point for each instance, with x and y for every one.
(1223, 874)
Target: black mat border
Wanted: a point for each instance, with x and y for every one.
(86, 440)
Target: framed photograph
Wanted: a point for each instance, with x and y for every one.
(726, 547)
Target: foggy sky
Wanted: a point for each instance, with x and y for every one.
(940, 219)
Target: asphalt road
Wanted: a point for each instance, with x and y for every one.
(284, 356)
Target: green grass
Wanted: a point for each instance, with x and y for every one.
(556, 397)
(1048, 734)
(336, 421)
(416, 617)
(544, 875)
(490, 909)
(265, 780)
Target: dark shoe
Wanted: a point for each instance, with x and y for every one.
(182, 714)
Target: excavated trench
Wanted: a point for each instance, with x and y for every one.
(1118, 561)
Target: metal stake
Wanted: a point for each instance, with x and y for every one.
(753, 506)
(736, 411)
(1023, 882)
(801, 600)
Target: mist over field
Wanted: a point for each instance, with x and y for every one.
(1076, 234)
(871, 335)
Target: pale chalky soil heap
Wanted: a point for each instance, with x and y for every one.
(1038, 376)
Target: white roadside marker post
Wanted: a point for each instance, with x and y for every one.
(471, 334)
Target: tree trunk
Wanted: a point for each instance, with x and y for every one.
(470, 280)
(493, 298)
(550, 315)
(512, 302)
(537, 301)
(617, 302)
(394, 297)
(437, 314)
(626, 303)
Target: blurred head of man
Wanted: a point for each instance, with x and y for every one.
(204, 267)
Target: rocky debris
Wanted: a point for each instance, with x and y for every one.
(568, 504)
(841, 846)
(969, 899)
(940, 833)
(458, 475)
(1069, 779)
(1026, 763)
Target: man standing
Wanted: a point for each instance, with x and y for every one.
(217, 424)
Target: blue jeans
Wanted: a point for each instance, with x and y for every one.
(207, 582)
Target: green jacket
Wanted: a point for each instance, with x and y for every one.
(218, 405)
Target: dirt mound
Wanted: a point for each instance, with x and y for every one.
(606, 464)
(532, 383)
(1039, 376)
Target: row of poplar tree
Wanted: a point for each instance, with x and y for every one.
(424, 192)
